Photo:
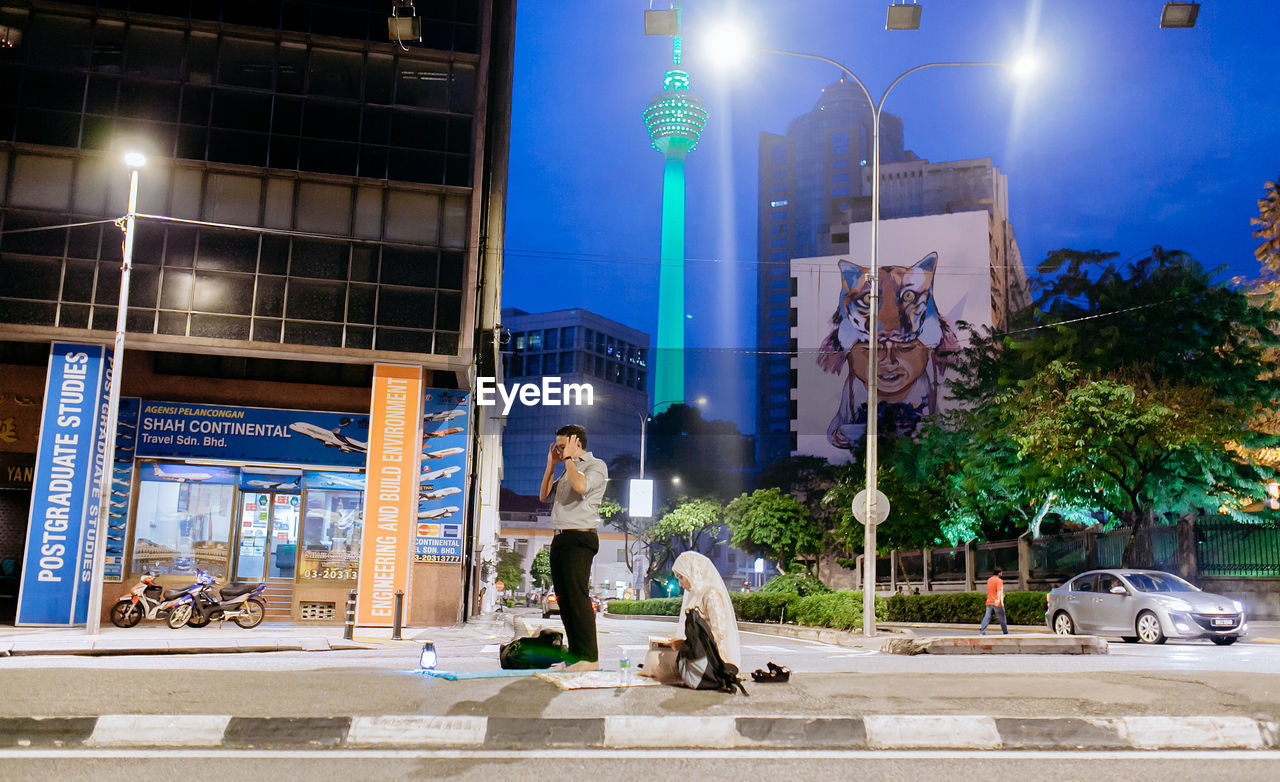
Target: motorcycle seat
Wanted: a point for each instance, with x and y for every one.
(172, 594)
(235, 590)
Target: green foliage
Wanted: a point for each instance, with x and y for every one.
(1021, 608)
(510, 572)
(658, 606)
(540, 569)
(1127, 388)
(768, 523)
(689, 527)
(609, 509)
(802, 584)
(842, 610)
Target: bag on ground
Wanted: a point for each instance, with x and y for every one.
(699, 661)
(536, 651)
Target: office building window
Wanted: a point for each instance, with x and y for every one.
(838, 192)
(551, 339)
(843, 163)
(778, 155)
(840, 143)
(567, 337)
(776, 204)
(535, 340)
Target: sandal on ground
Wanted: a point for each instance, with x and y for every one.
(776, 673)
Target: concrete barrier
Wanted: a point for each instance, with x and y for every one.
(1022, 643)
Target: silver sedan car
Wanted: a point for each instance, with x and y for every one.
(1147, 606)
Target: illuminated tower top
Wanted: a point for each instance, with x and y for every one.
(676, 117)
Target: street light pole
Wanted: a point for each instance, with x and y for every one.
(94, 618)
(873, 412)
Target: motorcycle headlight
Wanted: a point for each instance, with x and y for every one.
(1176, 604)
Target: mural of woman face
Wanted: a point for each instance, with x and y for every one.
(900, 365)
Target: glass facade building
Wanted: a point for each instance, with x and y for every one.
(312, 206)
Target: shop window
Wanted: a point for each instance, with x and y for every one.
(235, 251)
(413, 217)
(407, 267)
(332, 524)
(336, 121)
(183, 521)
(422, 84)
(406, 307)
(313, 300)
(319, 259)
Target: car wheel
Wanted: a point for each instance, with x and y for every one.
(1129, 639)
(1148, 627)
(1063, 624)
(1224, 640)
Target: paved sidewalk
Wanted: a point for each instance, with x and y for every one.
(217, 638)
(886, 732)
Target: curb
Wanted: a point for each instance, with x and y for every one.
(888, 732)
(116, 646)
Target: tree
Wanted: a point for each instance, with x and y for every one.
(1134, 339)
(1145, 447)
(510, 570)
(771, 524)
(691, 526)
(1268, 222)
(540, 569)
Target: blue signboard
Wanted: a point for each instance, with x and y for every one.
(197, 431)
(56, 571)
(442, 484)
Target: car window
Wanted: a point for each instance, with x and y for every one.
(1159, 582)
(1106, 581)
(1085, 584)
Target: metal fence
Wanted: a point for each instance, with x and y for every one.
(1226, 547)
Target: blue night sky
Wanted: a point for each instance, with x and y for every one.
(1128, 136)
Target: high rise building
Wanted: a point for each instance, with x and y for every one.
(810, 179)
(576, 346)
(675, 119)
(815, 182)
(313, 207)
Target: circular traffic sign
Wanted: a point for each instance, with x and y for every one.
(879, 508)
(500, 586)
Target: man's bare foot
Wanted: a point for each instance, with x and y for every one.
(583, 665)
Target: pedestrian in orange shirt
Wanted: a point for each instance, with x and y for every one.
(995, 602)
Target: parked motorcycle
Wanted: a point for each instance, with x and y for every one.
(240, 603)
(148, 600)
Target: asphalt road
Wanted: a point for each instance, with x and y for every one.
(1174, 679)
(647, 766)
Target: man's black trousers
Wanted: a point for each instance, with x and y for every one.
(571, 555)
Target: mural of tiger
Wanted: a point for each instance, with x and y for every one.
(914, 349)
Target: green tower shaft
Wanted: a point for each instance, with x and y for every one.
(675, 119)
(669, 358)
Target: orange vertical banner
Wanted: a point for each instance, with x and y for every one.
(391, 492)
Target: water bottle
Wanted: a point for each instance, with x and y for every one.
(624, 670)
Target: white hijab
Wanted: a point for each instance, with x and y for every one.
(708, 594)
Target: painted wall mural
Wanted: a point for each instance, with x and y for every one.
(934, 272)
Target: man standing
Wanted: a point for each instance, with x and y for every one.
(575, 515)
(995, 602)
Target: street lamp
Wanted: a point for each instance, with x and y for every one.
(725, 37)
(135, 161)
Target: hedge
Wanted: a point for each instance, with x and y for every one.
(841, 610)
(1021, 608)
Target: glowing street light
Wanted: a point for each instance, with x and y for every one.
(134, 160)
(729, 50)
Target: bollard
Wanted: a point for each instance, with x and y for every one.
(395, 628)
(349, 630)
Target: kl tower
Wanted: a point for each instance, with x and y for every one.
(675, 119)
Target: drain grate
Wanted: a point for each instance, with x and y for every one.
(316, 612)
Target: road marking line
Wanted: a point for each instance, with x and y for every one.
(771, 754)
(1191, 732)
(417, 729)
(899, 731)
(157, 730)
(625, 731)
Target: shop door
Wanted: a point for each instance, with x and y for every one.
(268, 546)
